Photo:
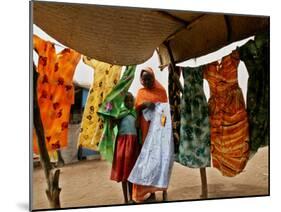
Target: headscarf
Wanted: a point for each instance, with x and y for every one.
(155, 94)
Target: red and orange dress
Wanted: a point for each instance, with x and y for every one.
(228, 116)
(126, 149)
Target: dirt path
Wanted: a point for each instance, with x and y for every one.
(87, 183)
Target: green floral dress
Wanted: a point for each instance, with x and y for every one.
(113, 108)
(255, 55)
(194, 148)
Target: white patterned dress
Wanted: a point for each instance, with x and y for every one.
(154, 164)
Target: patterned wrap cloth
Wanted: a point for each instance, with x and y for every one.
(106, 76)
(194, 149)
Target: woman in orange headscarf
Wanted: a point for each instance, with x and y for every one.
(151, 93)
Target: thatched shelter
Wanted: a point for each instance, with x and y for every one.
(123, 36)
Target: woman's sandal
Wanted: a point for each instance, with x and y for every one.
(151, 198)
(132, 202)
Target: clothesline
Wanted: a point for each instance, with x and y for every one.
(56, 44)
(102, 94)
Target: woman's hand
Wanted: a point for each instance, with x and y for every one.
(149, 105)
(114, 122)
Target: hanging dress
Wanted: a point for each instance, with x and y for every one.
(106, 77)
(113, 108)
(154, 164)
(194, 149)
(55, 91)
(255, 55)
(228, 116)
(175, 102)
(119, 142)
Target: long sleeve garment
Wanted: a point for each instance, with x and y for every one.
(106, 77)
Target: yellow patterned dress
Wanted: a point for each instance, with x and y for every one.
(55, 91)
(106, 77)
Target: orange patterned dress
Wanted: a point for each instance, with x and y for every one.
(55, 91)
(228, 116)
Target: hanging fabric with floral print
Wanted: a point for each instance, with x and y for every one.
(113, 108)
(194, 147)
(55, 91)
(255, 55)
(106, 77)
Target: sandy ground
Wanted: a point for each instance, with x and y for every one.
(86, 183)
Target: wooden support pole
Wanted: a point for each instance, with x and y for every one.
(52, 176)
(204, 184)
(176, 78)
(165, 196)
(60, 162)
(228, 28)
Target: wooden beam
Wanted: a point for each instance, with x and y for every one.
(228, 28)
(195, 21)
(52, 176)
(187, 26)
(176, 78)
(172, 17)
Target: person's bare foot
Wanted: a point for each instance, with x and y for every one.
(60, 163)
(151, 198)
